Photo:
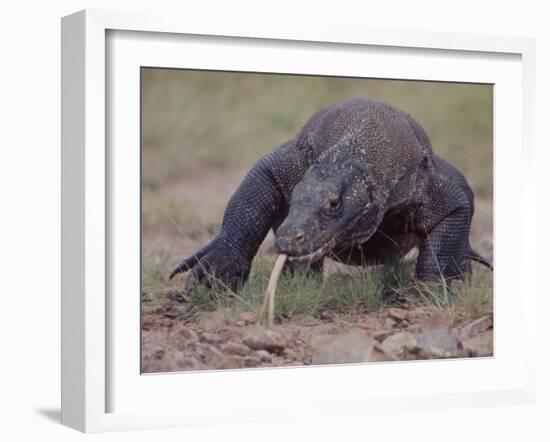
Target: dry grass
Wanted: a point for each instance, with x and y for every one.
(301, 294)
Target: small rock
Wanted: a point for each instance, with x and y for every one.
(479, 345)
(182, 337)
(437, 344)
(264, 355)
(414, 328)
(398, 314)
(151, 322)
(252, 361)
(235, 348)
(350, 347)
(231, 362)
(326, 328)
(423, 311)
(157, 335)
(397, 346)
(379, 356)
(390, 323)
(147, 323)
(265, 340)
(372, 324)
(240, 323)
(479, 325)
(305, 321)
(208, 354)
(187, 363)
(248, 317)
(211, 338)
(185, 332)
(383, 334)
(153, 366)
(211, 321)
(290, 355)
(159, 354)
(434, 320)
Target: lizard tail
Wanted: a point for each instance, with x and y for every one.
(474, 256)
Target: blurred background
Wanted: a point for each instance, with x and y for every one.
(203, 130)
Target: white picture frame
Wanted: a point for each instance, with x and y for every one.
(90, 359)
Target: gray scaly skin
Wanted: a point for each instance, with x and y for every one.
(358, 184)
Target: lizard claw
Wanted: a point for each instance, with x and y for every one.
(216, 265)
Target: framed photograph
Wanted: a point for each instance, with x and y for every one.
(267, 222)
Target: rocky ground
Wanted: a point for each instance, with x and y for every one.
(215, 340)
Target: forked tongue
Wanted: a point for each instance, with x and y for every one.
(269, 298)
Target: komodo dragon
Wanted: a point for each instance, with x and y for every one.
(357, 184)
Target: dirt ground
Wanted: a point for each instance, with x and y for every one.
(390, 334)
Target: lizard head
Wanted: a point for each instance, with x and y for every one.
(332, 204)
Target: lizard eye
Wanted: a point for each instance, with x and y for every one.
(332, 204)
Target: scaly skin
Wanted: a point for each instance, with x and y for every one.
(358, 183)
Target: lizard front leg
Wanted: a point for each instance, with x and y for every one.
(443, 250)
(259, 201)
(446, 224)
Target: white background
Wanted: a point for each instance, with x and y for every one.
(132, 392)
(30, 232)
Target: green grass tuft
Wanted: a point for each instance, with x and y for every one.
(301, 294)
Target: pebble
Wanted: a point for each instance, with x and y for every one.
(396, 346)
(290, 355)
(383, 334)
(353, 346)
(235, 348)
(211, 321)
(187, 363)
(153, 322)
(372, 324)
(208, 354)
(211, 338)
(414, 328)
(231, 362)
(479, 325)
(252, 361)
(479, 345)
(248, 317)
(265, 340)
(185, 332)
(264, 355)
(379, 356)
(437, 344)
(398, 314)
